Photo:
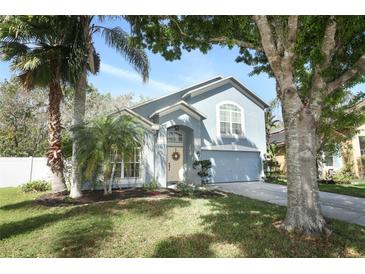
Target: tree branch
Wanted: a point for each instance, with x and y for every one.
(292, 30)
(268, 43)
(292, 36)
(327, 48)
(329, 42)
(240, 43)
(358, 68)
(279, 40)
(221, 39)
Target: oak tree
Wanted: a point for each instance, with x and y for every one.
(311, 57)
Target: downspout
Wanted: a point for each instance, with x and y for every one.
(155, 135)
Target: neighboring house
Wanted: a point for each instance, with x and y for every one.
(218, 120)
(277, 137)
(331, 163)
(358, 152)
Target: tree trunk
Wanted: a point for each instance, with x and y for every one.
(77, 119)
(107, 170)
(105, 183)
(112, 174)
(79, 112)
(304, 212)
(54, 155)
(112, 177)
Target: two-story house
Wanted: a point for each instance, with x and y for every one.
(218, 120)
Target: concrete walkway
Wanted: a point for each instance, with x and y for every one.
(342, 207)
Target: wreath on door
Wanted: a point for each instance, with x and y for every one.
(175, 156)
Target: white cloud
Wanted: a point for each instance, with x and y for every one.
(134, 77)
(196, 67)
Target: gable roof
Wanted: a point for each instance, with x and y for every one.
(221, 82)
(188, 88)
(148, 108)
(179, 105)
(145, 122)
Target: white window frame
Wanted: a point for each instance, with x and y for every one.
(122, 162)
(218, 118)
(179, 132)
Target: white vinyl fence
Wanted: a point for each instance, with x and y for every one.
(15, 171)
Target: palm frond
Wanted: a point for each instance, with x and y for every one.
(105, 136)
(94, 61)
(119, 39)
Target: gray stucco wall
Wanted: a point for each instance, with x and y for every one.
(254, 118)
(234, 165)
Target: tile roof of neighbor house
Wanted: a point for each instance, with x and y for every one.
(277, 137)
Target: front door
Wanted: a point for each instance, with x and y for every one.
(175, 164)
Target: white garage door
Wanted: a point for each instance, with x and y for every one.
(233, 166)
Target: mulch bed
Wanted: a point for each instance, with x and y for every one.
(89, 197)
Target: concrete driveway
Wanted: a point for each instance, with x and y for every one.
(342, 207)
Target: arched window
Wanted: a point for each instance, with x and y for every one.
(175, 137)
(230, 119)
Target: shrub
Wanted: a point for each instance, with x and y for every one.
(271, 165)
(36, 186)
(185, 189)
(151, 186)
(343, 177)
(204, 167)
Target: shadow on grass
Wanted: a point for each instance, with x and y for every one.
(248, 225)
(82, 236)
(77, 232)
(81, 231)
(153, 208)
(28, 225)
(185, 246)
(21, 205)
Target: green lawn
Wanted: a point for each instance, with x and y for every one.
(231, 226)
(356, 189)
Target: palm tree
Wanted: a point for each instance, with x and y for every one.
(41, 51)
(102, 141)
(119, 40)
(270, 123)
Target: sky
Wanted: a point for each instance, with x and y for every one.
(117, 77)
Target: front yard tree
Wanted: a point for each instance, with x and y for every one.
(101, 142)
(309, 56)
(342, 115)
(117, 39)
(23, 120)
(39, 51)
